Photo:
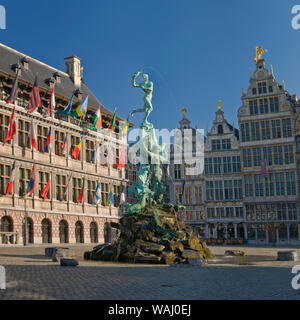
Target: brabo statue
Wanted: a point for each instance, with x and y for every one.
(147, 87)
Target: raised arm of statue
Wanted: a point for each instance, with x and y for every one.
(134, 84)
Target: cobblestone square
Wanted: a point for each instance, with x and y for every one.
(32, 276)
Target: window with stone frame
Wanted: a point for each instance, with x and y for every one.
(265, 130)
(177, 171)
(276, 129)
(236, 164)
(43, 179)
(298, 145)
(104, 193)
(288, 154)
(237, 189)
(253, 107)
(24, 178)
(228, 190)
(216, 144)
(250, 212)
(248, 180)
(89, 150)
(42, 135)
(270, 89)
(210, 190)
(259, 185)
(59, 138)
(60, 186)
(217, 165)
(255, 131)
(292, 211)
(287, 128)
(91, 188)
(227, 165)
(280, 183)
(281, 211)
(210, 213)
(229, 212)
(5, 171)
(262, 87)
(76, 188)
(4, 124)
(247, 158)
(269, 185)
(274, 104)
(75, 140)
(117, 195)
(278, 155)
(219, 190)
(290, 183)
(24, 134)
(245, 129)
(267, 155)
(263, 106)
(226, 144)
(257, 156)
(239, 212)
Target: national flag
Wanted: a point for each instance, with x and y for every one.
(48, 141)
(122, 198)
(12, 128)
(122, 160)
(64, 144)
(31, 184)
(80, 198)
(10, 186)
(34, 100)
(52, 103)
(33, 136)
(263, 168)
(67, 187)
(97, 120)
(46, 189)
(14, 90)
(97, 196)
(112, 126)
(68, 109)
(81, 110)
(111, 196)
(94, 152)
(125, 129)
(76, 151)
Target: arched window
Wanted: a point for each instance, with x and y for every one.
(94, 232)
(220, 129)
(79, 232)
(46, 231)
(6, 225)
(63, 231)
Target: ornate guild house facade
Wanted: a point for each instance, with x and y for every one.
(58, 217)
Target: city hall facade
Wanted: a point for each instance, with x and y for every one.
(59, 218)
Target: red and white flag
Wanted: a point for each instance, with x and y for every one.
(33, 137)
(35, 100)
(52, 103)
(10, 186)
(46, 189)
(12, 129)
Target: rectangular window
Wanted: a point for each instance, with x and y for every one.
(24, 177)
(23, 134)
(43, 179)
(280, 188)
(91, 188)
(104, 193)
(262, 87)
(268, 155)
(253, 107)
(248, 185)
(256, 156)
(226, 144)
(278, 156)
(274, 105)
(247, 158)
(263, 106)
(5, 171)
(89, 149)
(255, 132)
(60, 185)
(198, 194)
(4, 123)
(276, 129)
(217, 165)
(177, 171)
(216, 144)
(76, 188)
(287, 128)
(259, 186)
(42, 134)
(74, 143)
(59, 138)
(265, 130)
(219, 190)
(250, 212)
(269, 185)
(238, 193)
(290, 183)
(270, 89)
(209, 190)
(288, 154)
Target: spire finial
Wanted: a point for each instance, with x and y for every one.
(283, 85)
(219, 104)
(184, 110)
(272, 73)
(250, 74)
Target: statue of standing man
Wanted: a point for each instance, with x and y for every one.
(147, 87)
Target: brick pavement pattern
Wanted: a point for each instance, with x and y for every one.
(32, 276)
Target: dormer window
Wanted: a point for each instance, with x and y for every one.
(51, 82)
(57, 77)
(254, 91)
(220, 129)
(25, 63)
(16, 67)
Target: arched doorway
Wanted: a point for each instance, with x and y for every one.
(79, 232)
(240, 231)
(107, 232)
(7, 226)
(94, 232)
(46, 231)
(30, 235)
(63, 231)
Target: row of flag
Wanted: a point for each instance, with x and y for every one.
(32, 182)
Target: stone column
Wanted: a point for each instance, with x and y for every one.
(235, 231)
(277, 235)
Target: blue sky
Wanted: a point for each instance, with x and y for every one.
(195, 51)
